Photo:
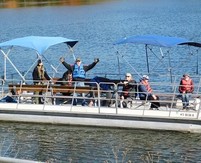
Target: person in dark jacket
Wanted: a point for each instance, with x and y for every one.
(186, 88)
(39, 75)
(79, 73)
(129, 89)
(146, 93)
(67, 79)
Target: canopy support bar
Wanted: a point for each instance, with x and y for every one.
(197, 67)
(119, 68)
(147, 59)
(7, 58)
(130, 65)
(170, 68)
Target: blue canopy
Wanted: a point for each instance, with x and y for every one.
(156, 40)
(38, 43)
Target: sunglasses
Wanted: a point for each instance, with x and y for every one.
(127, 76)
(78, 61)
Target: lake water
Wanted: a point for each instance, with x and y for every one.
(83, 144)
(97, 26)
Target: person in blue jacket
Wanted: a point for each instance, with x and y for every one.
(79, 73)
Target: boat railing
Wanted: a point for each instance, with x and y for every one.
(99, 97)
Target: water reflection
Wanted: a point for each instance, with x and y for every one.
(52, 143)
(39, 3)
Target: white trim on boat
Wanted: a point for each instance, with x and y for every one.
(55, 110)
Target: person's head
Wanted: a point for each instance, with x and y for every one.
(145, 77)
(78, 61)
(186, 76)
(128, 76)
(67, 75)
(40, 63)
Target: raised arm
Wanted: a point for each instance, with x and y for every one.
(89, 67)
(68, 66)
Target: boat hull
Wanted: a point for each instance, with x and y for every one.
(104, 117)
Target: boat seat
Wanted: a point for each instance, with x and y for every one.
(17, 88)
(194, 104)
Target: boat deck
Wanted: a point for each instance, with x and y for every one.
(105, 111)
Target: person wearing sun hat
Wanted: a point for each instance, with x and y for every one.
(79, 73)
(186, 88)
(129, 89)
(146, 92)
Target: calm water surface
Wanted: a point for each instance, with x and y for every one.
(97, 27)
(83, 144)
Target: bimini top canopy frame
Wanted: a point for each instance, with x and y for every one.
(38, 43)
(156, 40)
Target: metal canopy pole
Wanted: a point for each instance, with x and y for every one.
(6, 57)
(119, 68)
(71, 51)
(5, 75)
(147, 58)
(197, 69)
(170, 68)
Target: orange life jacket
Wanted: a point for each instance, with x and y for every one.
(186, 86)
(147, 85)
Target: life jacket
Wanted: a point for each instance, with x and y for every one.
(186, 86)
(147, 85)
(127, 89)
(78, 71)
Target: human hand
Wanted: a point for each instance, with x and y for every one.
(154, 96)
(96, 60)
(62, 59)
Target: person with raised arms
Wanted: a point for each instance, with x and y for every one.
(79, 73)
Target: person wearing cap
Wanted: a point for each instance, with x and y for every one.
(39, 74)
(79, 72)
(186, 88)
(129, 89)
(146, 92)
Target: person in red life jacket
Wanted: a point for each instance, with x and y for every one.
(146, 92)
(186, 88)
(79, 73)
(129, 89)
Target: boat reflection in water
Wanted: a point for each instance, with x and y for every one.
(38, 3)
(53, 144)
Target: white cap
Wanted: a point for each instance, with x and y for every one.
(128, 74)
(145, 77)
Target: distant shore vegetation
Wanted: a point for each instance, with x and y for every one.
(41, 3)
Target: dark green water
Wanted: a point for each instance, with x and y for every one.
(84, 144)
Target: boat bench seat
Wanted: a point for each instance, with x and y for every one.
(17, 88)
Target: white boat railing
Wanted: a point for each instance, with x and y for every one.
(58, 95)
